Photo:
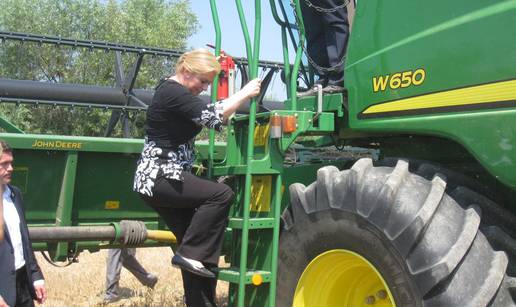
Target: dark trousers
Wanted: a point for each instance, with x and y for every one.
(123, 257)
(196, 211)
(23, 296)
(327, 38)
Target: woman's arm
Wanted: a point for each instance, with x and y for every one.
(231, 104)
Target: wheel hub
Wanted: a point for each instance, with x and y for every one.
(341, 278)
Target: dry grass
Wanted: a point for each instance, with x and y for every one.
(82, 284)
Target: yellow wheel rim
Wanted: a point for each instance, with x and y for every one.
(341, 278)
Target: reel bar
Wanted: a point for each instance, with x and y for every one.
(103, 45)
(38, 102)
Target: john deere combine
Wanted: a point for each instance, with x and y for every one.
(426, 220)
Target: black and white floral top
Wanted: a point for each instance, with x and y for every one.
(174, 118)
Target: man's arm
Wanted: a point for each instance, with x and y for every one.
(37, 277)
(31, 262)
(41, 291)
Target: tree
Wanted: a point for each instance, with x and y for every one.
(156, 23)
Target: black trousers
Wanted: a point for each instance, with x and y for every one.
(23, 296)
(196, 211)
(327, 37)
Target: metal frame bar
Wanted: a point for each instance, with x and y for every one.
(65, 203)
(103, 45)
(56, 103)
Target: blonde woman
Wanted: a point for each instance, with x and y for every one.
(195, 209)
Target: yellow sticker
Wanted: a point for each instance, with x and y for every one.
(112, 204)
(261, 135)
(261, 193)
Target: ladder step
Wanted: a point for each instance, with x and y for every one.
(232, 275)
(254, 223)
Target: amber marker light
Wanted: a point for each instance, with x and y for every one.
(257, 279)
(289, 123)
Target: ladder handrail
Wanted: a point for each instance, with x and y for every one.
(299, 53)
(253, 71)
(250, 168)
(284, 43)
(214, 87)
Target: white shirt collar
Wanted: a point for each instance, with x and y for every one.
(7, 191)
(12, 222)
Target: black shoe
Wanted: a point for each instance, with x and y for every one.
(332, 89)
(151, 281)
(108, 299)
(310, 92)
(180, 262)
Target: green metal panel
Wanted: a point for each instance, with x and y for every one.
(70, 181)
(39, 176)
(104, 189)
(460, 45)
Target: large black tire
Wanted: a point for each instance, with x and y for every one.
(427, 248)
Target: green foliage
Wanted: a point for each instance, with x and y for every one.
(155, 23)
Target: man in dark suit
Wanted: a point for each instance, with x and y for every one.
(21, 279)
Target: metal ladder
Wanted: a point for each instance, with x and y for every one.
(254, 223)
(255, 217)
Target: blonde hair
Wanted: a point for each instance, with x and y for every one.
(199, 61)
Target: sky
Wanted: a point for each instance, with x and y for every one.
(232, 39)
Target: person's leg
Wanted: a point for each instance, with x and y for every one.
(130, 262)
(336, 33)
(23, 296)
(202, 239)
(315, 39)
(113, 269)
(199, 291)
(176, 219)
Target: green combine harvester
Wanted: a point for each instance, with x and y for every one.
(425, 219)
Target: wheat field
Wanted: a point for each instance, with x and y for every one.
(82, 283)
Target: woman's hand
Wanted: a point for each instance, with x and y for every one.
(252, 88)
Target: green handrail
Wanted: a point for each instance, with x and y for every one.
(284, 43)
(218, 36)
(247, 40)
(299, 53)
(257, 35)
(253, 72)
